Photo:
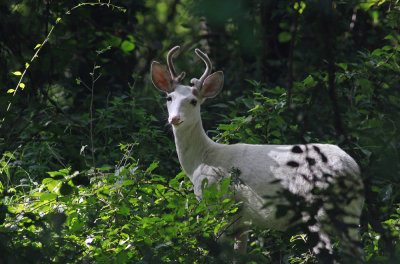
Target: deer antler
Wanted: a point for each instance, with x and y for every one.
(199, 82)
(171, 68)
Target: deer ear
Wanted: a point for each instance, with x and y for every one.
(160, 77)
(212, 85)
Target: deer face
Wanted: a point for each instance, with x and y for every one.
(183, 106)
(183, 101)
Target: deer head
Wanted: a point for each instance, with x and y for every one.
(184, 101)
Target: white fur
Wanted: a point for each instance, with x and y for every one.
(260, 166)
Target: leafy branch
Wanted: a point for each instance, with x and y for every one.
(39, 47)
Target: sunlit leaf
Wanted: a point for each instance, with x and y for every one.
(59, 172)
(128, 182)
(152, 166)
(47, 196)
(127, 46)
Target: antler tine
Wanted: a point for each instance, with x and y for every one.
(207, 72)
(171, 67)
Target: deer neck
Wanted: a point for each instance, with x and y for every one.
(191, 144)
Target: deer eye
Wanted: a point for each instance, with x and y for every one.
(169, 98)
(193, 102)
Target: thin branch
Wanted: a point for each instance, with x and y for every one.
(26, 68)
(94, 79)
(227, 226)
(56, 155)
(40, 46)
(289, 80)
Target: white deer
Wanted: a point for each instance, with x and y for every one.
(265, 170)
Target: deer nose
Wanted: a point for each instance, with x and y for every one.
(176, 120)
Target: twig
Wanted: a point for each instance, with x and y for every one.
(289, 80)
(94, 79)
(227, 226)
(91, 115)
(56, 155)
(387, 60)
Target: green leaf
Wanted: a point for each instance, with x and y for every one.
(217, 228)
(62, 172)
(37, 46)
(309, 81)
(152, 166)
(168, 217)
(10, 90)
(58, 20)
(128, 182)
(204, 184)
(105, 168)
(343, 66)
(47, 196)
(299, 6)
(124, 210)
(127, 46)
(377, 52)
(10, 155)
(77, 226)
(52, 185)
(225, 185)
(22, 85)
(284, 37)
(17, 73)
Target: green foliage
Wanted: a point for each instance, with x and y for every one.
(374, 243)
(123, 216)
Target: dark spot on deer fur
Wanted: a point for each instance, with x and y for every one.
(327, 176)
(323, 157)
(297, 149)
(292, 164)
(310, 161)
(305, 177)
(317, 149)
